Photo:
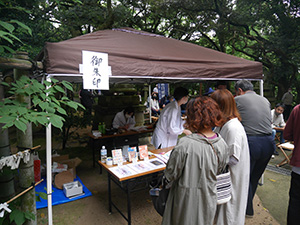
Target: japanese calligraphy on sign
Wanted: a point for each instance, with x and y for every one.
(95, 70)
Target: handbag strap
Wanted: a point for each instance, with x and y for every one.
(225, 169)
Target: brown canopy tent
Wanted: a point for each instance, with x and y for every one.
(139, 57)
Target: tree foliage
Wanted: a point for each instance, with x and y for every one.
(46, 107)
(262, 30)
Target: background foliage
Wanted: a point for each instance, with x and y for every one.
(261, 30)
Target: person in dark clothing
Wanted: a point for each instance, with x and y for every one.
(86, 99)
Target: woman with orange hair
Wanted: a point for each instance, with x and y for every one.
(233, 212)
(194, 165)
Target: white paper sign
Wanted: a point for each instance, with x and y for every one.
(95, 70)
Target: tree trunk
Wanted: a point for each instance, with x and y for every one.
(7, 189)
(24, 141)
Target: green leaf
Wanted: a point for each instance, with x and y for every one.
(23, 26)
(54, 80)
(4, 83)
(43, 96)
(59, 88)
(9, 49)
(36, 100)
(67, 85)
(3, 35)
(8, 125)
(50, 109)
(6, 119)
(29, 216)
(62, 111)
(20, 125)
(47, 83)
(22, 110)
(7, 26)
(43, 195)
(72, 104)
(44, 105)
(56, 121)
(17, 216)
(54, 100)
(42, 120)
(64, 98)
(14, 37)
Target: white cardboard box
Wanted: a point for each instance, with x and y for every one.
(72, 189)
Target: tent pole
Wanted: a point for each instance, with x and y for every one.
(49, 166)
(261, 87)
(150, 111)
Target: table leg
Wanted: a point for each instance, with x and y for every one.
(128, 203)
(109, 192)
(93, 147)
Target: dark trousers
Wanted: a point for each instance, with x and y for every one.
(293, 217)
(261, 149)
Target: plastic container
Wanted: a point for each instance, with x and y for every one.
(37, 167)
(103, 154)
(103, 128)
(100, 127)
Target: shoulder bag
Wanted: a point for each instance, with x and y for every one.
(159, 195)
(223, 183)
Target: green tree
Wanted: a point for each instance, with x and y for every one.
(46, 108)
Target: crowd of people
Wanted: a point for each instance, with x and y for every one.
(242, 129)
(220, 130)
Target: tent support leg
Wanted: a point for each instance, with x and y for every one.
(49, 173)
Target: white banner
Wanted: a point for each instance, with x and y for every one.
(95, 70)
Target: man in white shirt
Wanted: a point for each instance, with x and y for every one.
(278, 123)
(125, 119)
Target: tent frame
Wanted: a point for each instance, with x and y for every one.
(49, 137)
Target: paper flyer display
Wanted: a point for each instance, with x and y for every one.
(164, 157)
(139, 128)
(132, 154)
(141, 167)
(156, 163)
(122, 171)
(144, 166)
(143, 150)
(117, 156)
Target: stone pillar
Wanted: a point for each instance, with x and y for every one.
(7, 189)
(24, 141)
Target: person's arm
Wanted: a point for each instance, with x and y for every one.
(116, 122)
(175, 165)
(131, 122)
(282, 123)
(175, 125)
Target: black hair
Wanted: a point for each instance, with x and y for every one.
(180, 92)
(245, 85)
(280, 105)
(129, 110)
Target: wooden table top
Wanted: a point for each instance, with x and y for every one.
(127, 133)
(155, 151)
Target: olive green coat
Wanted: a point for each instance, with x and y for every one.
(193, 167)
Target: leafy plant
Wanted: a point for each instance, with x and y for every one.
(17, 216)
(46, 107)
(7, 28)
